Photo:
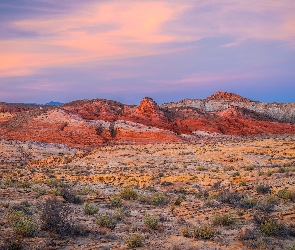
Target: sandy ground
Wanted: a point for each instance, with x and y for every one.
(182, 186)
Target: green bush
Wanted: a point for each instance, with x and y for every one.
(40, 191)
(121, 212)
(56, 191)
(223, 220)
(134, 240)
(151, 222)
(116, 201)
(89, 209)
(22, 224)
(271, 227)
(205, 232)
(154, 199)
(129, 193)
(287, 195)
(106, 220)
(158, 199)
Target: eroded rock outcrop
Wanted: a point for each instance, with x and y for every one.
(91, 123)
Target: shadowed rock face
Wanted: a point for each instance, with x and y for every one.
(90, 123)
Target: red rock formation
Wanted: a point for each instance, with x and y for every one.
(90, 123)
(227, 97)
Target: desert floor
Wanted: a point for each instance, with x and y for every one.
(227, 194)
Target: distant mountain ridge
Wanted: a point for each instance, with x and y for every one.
(90, 123)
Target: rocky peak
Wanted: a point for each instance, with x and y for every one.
(148, 106)
(225, 96)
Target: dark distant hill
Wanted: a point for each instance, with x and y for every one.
(52, 103)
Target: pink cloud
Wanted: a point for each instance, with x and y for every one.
(67, 39)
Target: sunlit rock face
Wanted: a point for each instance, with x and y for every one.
(91, 123)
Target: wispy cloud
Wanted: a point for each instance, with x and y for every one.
(96, 31)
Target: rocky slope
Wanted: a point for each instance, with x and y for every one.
(283, 112)
(91, 123)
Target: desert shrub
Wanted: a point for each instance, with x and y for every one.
(19, 184)
(223, 220)
(129, 193)
(287, 195)
(261, 189)
(85, 190)
(265, 206)
(106, 220)
(248, 202)
(134, 240)
(154, 199)
(178, 200)
(22, 224)
(249, 168)
(122, 212)
(70, 196)
(56, 191)
(116, 201)
(55, 216)
(5, 204)
(186, 232)
(158, 199)
(39, 191)
(151, 221)
(272, 227)
(181, 190)
(89, 209)
(272, 198)
(202, 194)
(229, 197)
(236, 174)
(205, 232)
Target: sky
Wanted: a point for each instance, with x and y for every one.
(54, 50)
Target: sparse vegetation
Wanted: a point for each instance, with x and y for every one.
(22, 224)
(151, 221)
(223, 220)
(133, 199)
(134, 240)
(56, 216)
(204, 232)
(129, 193)
(107, 220)
(89, 209)
(272, 227)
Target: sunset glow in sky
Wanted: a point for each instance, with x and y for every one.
(126, 50)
